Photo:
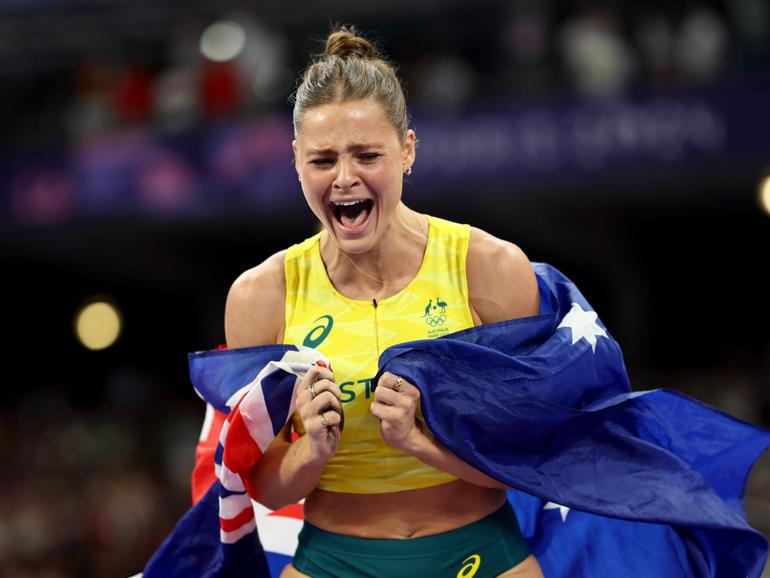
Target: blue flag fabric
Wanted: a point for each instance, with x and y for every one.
(569, 433)
(608, 482)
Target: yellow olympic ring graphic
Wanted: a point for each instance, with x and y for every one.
(470, 566)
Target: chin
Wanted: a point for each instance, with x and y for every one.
(354, 246)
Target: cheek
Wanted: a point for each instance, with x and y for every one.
(312, 201)
(313, 187)
(384, 179)
(314, 197)
(391, 185)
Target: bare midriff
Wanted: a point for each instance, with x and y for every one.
(407, 514)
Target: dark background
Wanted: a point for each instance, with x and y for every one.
(133, 167)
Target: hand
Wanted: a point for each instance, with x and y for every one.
(319, 407)
(395, 403)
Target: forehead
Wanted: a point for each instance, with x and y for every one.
(336, 124)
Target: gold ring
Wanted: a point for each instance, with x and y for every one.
(313, 392)
(324, 420)
(397, 384)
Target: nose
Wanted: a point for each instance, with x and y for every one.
(346, 177)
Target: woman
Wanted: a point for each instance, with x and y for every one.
(382, 498)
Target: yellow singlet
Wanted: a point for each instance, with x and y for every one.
(352, 334)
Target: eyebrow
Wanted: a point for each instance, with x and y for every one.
(355, 147)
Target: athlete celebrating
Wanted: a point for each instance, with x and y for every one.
(382, 497)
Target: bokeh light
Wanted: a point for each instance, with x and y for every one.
(223, 41)
(764, 195)
(98, 325)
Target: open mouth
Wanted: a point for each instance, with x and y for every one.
(352, 213)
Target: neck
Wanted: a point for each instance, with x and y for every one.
(387, 267)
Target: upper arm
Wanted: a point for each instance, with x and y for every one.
(501, 282)
(254, 313)
(253, 316)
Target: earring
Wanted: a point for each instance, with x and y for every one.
(407, 171)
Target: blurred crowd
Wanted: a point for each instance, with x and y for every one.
(205, 70)
(91, 491)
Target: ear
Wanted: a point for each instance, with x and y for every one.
(295, 150)
(409, 149)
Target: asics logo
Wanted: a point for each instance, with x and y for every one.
(315, 336)
(470, 566)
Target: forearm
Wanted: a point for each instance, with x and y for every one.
(286, 474)
(427, 449)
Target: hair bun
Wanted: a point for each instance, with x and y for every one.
(346, 43)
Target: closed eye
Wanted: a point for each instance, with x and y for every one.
(369, 157)
(321, 162)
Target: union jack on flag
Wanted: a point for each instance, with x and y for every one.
(255, 414)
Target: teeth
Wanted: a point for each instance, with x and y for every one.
(348, 203)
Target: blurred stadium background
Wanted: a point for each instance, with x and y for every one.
(145, 161)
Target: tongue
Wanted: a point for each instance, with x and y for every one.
(353, 215)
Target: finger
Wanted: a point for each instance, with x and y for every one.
(388, 396)
(330, 428)
(382, 411)
(329, 419)
(316, 380)
(315, 374)
(321, 404)
(396, 382)
(326, 385)
(318, 424)
(324, 402)
(405, 397)
(388, 379)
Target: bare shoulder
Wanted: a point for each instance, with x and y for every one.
(255, 305)
(501, 283)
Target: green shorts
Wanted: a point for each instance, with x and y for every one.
(483, 549)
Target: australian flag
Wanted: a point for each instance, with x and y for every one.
(608, 482)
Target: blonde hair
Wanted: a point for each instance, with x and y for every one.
(351, 68)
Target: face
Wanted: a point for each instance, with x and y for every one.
(351, 160)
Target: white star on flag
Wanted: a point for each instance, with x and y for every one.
(563, 510)
(583, 325)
